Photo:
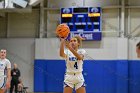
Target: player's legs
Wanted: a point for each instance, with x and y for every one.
(80, 86)
(68, 84)
(68, 87)
(68, 90)
(81, 90)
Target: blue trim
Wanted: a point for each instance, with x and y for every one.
(66, 85)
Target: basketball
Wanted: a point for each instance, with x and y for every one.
(62, 31)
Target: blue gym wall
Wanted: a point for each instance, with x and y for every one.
(101, 76)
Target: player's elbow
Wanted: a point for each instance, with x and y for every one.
(61, 54)
(80, 58)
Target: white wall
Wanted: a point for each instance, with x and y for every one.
(107, 49)
(21, 51)
(47, 48)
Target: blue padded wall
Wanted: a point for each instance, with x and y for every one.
(101, 76)
(134, 76)
(48, 75)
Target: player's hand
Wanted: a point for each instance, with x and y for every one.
(62, 39)
(7, 85)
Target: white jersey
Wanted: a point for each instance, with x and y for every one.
(72, 64)
(4, 63)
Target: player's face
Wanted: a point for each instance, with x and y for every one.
(138, 52)
(3, 54)
(74, 43)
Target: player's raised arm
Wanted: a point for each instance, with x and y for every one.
(62, 31)
(62, 44)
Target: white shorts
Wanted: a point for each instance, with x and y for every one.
(2, 82)
(74, 80)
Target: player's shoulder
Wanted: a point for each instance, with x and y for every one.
(7, 60)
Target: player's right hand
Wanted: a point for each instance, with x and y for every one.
(62, 39)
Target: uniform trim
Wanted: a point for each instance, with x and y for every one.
(65, 85)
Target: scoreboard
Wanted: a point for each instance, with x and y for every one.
(83, 21)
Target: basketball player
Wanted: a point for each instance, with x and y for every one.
(5, 70)
(74, 65)
(138, 49)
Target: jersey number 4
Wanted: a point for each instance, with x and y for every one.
(76, 65)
